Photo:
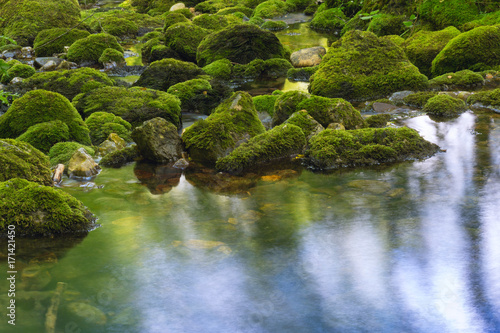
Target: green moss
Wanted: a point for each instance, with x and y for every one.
(61, 152)
(22, 160)
(173, 18)
(419, 99)
(231, 10)
(220, 69)
(150, 35)
(361, 66)
(378, 120)
(68, 83)
(212, 22)
(271, 68)
(40, 106)
(331, 20)
(486, 98)
(255, 20)
(191, 93)
(396, 39)
(355, 23)
(274, 25)
(350, 7)
(184, 39)
(120, 157)
(18, 70)
(42, 136)
(90, 48)
(233, 121)
(465, 79)
(159, 52)
(444, 106)
(307, 124)
(213, 6)
(286, 104)
(442, 14)
(147, 48)
(37, 210)
(99, 18)
(119, 27)
(387, 24)
(301, 74)
(102, 124)
(272, 8)
(311, 9)
(422, 47)
(265, 103)
(278, 143)
(298, 5)
(332, 149)
(484, 19)
(479, 47)
(111, 55)
(46, 44)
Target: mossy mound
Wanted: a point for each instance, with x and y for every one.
(240, 43)
(362, 66)
(37, 210)
(39, 106)
(271, 9)
(184, 39)
(422, 47)
(465, 79)
(387, 24)
(286, 104)
(350, 7)
(490, 99)
(196, 95)
(278, 143)
(330, 20)
(220, 69)
(307, 124)
(265, 103)
(248, 12)
(442, 14)
(274, 25)
(233, 122)
(22, 160)
(102, 124)
(355, 23)
(301, 74)
(120, 157)
(142, 21)
(119, 27)
(444, 106)
(135, 105)
(258, 68)
(419, 99)
(61, 152)
(333, 149)
(211, 22)
(163, 74)
(213, 6)
(18, 70)
(89, 49)
(147, 48)
(173, 18)
(111, 56)
(68, 83)
(484, 19)
(22, 20)
(378, 120)
(42, 136)
(477, 49)
(46, 44)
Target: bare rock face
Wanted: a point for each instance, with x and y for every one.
(308, 57)
(82, 164)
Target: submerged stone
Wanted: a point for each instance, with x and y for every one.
(86, 313)
(308, 57)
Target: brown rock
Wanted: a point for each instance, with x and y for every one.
(308, 57)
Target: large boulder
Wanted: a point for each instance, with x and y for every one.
(102, 124)
(362, 66)
(240, 43)
(308, 57)
(51, 41)
(38, 106)
(158, 141)
(184, 39)
(42, 136)
(88, 50)
(233, 122)
(17, 70)
(57, 213)
(21, 160)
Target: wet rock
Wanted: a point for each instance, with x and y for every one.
(220, 182)
(383, 107)
(82, 165)
(399, 96)
(26, 53)
(336, 126)
(67, 65)
(113, 143)
(120, 157)
(42, 61)
(181, 163)
(86, 313)
(308, 57)
(49, 66)
(158, 141)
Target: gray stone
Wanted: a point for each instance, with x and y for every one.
(49, 66)
(307, 57)
(398, 96)
(177, 6)
(41, 61)
(383, 107)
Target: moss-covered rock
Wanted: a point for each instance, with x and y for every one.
(271, 8)
(265, 103)
(51, 41)
(301, 74)
(111, 56)
(286, 104)
(387, 24)
(355, 23)
(419, 99)
(442, 14)
(465, 79)
(120, 157)
(274, 25)
(422, 47)
(489, 99)
(18, 70)
(195, 95)
(332, 149)
(173, 18)
(258, 68)
(443, 105)
(39, 106)
(135, 105)
(37, 210)
(248, 12)
(362, 66)
(483, 19)
(332, 19)
(240, 43)
(119, 27)
(184, 39)
(102, 124)
(42, 136)
(211, 22)
(163, 74)
(378, 120)
(477, 49)
(233, 122)
(88, 50)
(307, 124)
(219, 69)
(22, 160)
(278, 143)
(61, 152)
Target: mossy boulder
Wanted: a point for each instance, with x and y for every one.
(39, 106)
(483, 19)
(120, 157)
(271, 9)
(422, 47)
(163, 74)
(486, 99)
(211, 22)
(387, 24)
(477, 49)
(174, 18)
(119, 27)
(61, 152)
(279, 143)
(111, 56)
(22, 160)
(442, 14)
(301, 74)
(195, 95)
(52, 41)
(240, 43)
(258, 68)
(286, 104)
(419, 99)
(443, 105)
(42, 136)
(333, 149)
(332, 19)
(68, 83)
(88, 50)
(219, 69)
(465, 79)
(378, 120)
(233, 122)
(274, 25)
(135, 105)
(362, 66)
(17, 70)
(184, 39)
(102, 124)
(248, 12)
(212, 6)
(307, 124)
(265, 103)
(36, 210)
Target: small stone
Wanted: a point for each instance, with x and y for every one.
(383, 107)
(308, 57)
(49, 66)
(336, 126)
(82, 164)
(177, 6)
(16, 80)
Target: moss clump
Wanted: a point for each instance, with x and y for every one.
(213, 6)
(68, 83)
(355, 23)
(119, 27)
(89, 49)
(486, 98)
(220, 69)
(271, 68)
(331, 20)
(111, 55)
(234, 121)
(332, 149)
(278, 143)
(18, 70)
(361, 66)
(150, 35)
(248, 12)
(22, 160)
(378, 120)
(286, 104)
(307, 124)
(419, 99)
(39, 106)
(484, 19)
(46, 46)
(42, 136)
(387, 24)
(147, 48)
(134, 105)
(422, 47)
(240, 43)
(193, 94)
(102, 124)
(173, 18)
(211, 22)
(274, 25)
(301, 74)
(444, 106)
(61, 152)
(265, 103)
(38, 210)
(160, 52)
(163, 74)
(465, 79)
(120, 157)
(184, 39)
(442, 14)
(271, 8)
(477, 49)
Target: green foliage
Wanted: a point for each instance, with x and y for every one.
(330, 19)
(369, 16)
(61, 152)
(465, 79)
(444, 106)
(42, 136)
(89, 49)
(184, 39)
(111, 55)
(46, 44)
(102, 124)
(7, 97)
(18, 70)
